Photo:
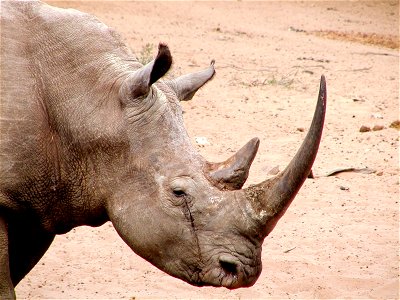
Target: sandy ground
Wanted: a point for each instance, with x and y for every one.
(340, 238)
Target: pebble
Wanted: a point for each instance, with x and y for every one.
(364, 128)
(274, 171)
(377, 116)
(378, 127)
(395, 124)
(201, 141)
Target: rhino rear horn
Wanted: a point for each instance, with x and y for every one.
(187, 85)
(232, 173)
(139, 83)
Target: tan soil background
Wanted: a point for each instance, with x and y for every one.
(340, 238)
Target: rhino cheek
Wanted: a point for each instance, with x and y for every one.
(131, 224)
(155, 236)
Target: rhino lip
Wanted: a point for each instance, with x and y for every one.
(218, 277)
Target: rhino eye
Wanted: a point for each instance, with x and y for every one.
(179, 192)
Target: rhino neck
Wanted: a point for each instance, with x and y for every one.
(65, 108)
(64, 186)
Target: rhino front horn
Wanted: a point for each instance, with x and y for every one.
(270, 199)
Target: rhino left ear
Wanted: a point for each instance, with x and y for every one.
(187, 85)
(161, 64)
(139, 83)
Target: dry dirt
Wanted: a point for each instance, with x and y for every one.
(340, 238)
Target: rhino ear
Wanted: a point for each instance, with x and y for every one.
(187, 85)
(232, 173)
(161, 64)
(139, 83)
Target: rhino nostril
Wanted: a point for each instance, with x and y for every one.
(229, 267)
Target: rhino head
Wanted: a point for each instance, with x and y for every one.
(187, 216)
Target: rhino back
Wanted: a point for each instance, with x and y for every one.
(60, 72)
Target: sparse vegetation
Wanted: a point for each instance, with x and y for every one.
(146, 54)
(282, 80)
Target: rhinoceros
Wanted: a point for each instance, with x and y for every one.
(90, 135)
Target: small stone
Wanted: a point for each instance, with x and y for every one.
(301, 129)
(364, 128)
(344, 188)
(274, 171)
(201, 141)
(377, 116)
(395, 124)
(380, 173)
(378, 127)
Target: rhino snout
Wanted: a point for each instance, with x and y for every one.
(229, 272)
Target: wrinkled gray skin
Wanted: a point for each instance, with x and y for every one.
(89, 135)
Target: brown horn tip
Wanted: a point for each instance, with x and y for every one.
(271, 198)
